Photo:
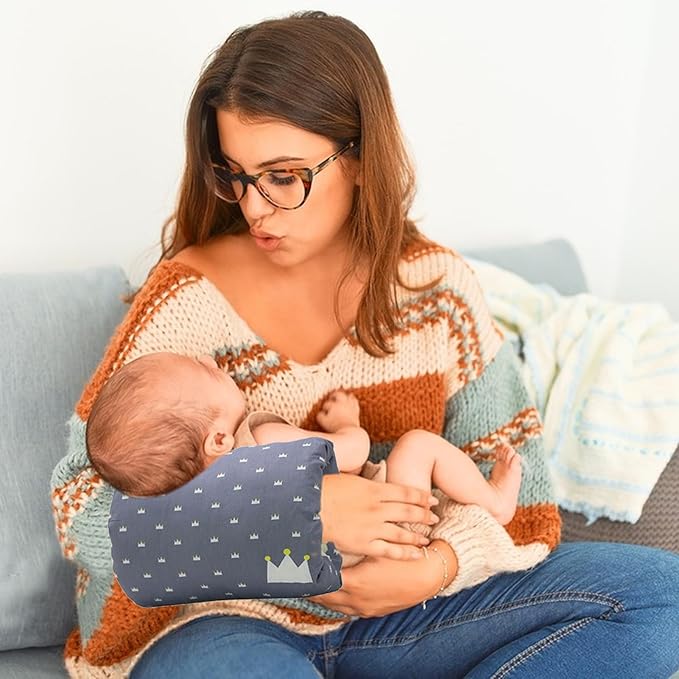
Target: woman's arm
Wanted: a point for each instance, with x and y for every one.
(488, 405)
(81, 502)
(377, 586)
(472, 546)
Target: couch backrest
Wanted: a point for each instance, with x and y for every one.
(554, 262)
(53, 331)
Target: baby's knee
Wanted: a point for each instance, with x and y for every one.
(416, 438)
(417, 444)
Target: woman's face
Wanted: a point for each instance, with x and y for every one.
(318, 229)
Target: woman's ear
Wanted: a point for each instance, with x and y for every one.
(217, 442)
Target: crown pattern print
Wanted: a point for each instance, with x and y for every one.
(288, 570)
(246, 534)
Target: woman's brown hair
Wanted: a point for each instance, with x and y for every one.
(320, 73)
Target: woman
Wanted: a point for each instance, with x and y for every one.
(292, 260)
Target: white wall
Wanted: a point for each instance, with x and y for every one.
(527, 120)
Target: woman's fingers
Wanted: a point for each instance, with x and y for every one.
(394, 492)
(356, 513)
(397, 512)
(389, 550)
(402, 536)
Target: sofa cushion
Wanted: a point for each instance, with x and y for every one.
(53, 331)
(33, 663)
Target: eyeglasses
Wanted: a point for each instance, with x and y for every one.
(284, 188)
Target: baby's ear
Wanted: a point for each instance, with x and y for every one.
(217, 443)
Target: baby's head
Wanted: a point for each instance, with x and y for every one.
(160, 420)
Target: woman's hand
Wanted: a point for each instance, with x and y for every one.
(360, 516)
(377, 586)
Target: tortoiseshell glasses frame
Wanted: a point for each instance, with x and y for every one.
(285, 188)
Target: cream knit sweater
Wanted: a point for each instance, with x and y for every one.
(452, 373)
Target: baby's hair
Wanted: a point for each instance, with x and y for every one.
(143, 441)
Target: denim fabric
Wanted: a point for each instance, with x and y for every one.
(590, 610)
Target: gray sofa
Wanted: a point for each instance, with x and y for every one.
(53, 329)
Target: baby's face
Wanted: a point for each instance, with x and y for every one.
(216, 387)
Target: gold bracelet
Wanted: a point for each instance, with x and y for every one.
(445, 574)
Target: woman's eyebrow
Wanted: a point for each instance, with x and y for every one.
(267, 163)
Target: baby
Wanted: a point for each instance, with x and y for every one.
(163, 418)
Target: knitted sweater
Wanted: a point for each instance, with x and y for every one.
(452, 373)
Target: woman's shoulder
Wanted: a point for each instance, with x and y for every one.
(193, 266)
(449, 284)
(176, 310)
(167, 276)
(427, 261)
(194, 257)
(221, 261)
(169, 281)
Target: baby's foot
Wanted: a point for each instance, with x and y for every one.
(505, 477)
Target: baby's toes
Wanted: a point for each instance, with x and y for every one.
(502, 453)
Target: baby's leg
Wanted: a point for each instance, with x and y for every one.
(419, 456)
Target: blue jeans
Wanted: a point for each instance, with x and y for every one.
(589, 610)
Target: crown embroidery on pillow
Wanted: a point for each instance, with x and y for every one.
(288, 570)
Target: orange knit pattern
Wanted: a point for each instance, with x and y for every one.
(525, 425)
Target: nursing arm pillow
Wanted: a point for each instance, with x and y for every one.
(247, 527)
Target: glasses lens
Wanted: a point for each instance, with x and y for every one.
(285, 189)
(229, 188)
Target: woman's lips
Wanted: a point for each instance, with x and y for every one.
(265, 241)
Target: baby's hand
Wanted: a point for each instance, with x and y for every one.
(340, 409)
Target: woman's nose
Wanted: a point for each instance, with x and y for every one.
(254, 206)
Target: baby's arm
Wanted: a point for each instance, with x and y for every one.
(339, 416)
